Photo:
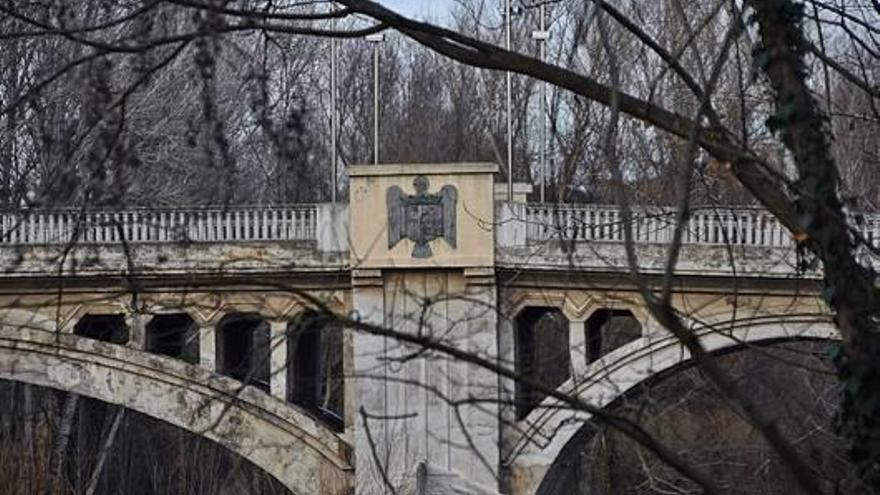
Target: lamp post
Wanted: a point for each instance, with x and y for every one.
(376, 39)
(334, 116)
(508, 44)
(541, 36)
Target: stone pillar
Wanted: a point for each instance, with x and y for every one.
(332, 225)
(208, 347)
(479, 462)
(278, 359)
(577, 345)
(370, 397)
(423, 407)
(137, 324)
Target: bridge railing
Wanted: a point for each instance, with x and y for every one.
(232, 224)
(706, 226)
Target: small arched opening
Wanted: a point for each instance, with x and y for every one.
(175, 335)
(105, 327)
(542, 354)
(243, 349)
(315, 378)
(607, 329)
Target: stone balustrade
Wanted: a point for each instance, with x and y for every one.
(707, 226)
(192, 224)
(544, 222)
(264, 238)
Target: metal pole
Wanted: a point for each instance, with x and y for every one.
(508, 44)
(334, 117)
(542, 41)
(376, 104)
(376, 40)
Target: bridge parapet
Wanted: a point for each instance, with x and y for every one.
(238, 240)
(718, 241)
(306, 237)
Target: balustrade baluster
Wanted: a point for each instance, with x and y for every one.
(14, 227)
(32, 228)
(274, 230)
(51, 235)
(61, 228)
(875, 238)
(98, 227)
(41, 231)
(203, 225)
(711, 231)
(211, 219)
(750, 229)
(781, 235)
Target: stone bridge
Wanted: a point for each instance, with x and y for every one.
(206, 318)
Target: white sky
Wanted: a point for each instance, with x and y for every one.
(419, 8)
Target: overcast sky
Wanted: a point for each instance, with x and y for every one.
(418, 8)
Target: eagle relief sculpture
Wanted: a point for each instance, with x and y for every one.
(421, 217)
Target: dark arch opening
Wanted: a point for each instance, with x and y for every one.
(542, 354)
(315, 378)
(792, 380)
(175, 335)
(243, 349)
(608, 329)
(144, 456)
(106, 327)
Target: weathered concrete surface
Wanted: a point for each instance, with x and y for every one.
(610, 257)
(417, 404)
(299, 451)
(538, 439)
(432, 480)
(174, 258)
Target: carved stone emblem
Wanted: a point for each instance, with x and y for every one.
(421, 217)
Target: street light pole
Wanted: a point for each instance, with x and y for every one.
(542, 35)
(508, 44)
(334, 117)
(376, 39)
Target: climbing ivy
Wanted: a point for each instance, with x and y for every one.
(848, 288)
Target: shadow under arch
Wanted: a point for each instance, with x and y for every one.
(301, 453)
(552, 433)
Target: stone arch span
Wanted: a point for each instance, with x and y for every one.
(548, 430)
(299, 451)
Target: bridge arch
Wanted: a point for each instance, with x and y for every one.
(548, 429)
(299, 451)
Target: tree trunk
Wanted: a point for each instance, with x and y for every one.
(849, 288)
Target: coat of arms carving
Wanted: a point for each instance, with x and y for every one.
(421, 217)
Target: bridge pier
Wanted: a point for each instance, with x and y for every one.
(417, 408)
